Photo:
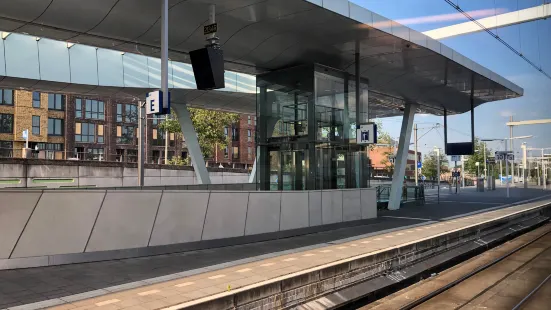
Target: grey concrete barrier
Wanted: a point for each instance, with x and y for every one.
(49, 227)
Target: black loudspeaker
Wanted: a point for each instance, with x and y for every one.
(208, 68)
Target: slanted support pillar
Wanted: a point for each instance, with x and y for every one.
(401, 157)
(192, 143)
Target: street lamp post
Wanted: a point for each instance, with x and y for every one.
(506, 156)
(438, 170)
(485, 168)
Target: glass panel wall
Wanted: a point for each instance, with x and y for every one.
(307, 118)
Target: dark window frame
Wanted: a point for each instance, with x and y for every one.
(78, 108)
(119, 112)
(3, 96)
(127, 136)
(6, 121)
(56, 102)
(131, 113)
(93, 109)
(58, 123)
(35, 126)
(36, 99)
(84, 136)
(6, 149)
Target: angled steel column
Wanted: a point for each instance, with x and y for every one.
(192, 143)
(401, 157)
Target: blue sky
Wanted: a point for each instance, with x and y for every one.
(532, 39)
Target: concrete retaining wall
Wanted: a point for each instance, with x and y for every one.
(97, 174)
(44, 227)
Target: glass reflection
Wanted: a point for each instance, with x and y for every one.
(307, 130)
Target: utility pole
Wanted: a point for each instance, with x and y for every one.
(524, 165)
(141, 136)
(485, 167)
(438, 171)
(543, 172)
(501, 172)
(538, 172)
(416, 159)
(512, 150)
(507, 168)
(166, 142)
(462, 171)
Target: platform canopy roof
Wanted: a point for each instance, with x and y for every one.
(263, 35)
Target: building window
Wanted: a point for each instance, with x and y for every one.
(36, 125)
(235, 152)
(132, 156)
(6, 96)
(119, 112)
(131, 113)
(6, 148)
(249, 154)
(93, 109)
(248, 119)
(126, 134)
(52, 150)
(226, 152)
(100, 134)
(158, 137)
(172, 140)
(85, 132)
(235, 133)
(249, 137)
(95, 154)
(55, 127)
(56, 102)
(78, 108)
(226, 131)
(6, 123)
(36, 99)
(255, 120)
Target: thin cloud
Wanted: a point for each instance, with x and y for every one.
(441, 18)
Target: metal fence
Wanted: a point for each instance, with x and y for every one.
(410, 194)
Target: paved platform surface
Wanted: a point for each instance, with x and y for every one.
(144, 280)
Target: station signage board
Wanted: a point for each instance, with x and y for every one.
(366, 134)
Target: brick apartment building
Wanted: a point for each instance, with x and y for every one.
(96, 128)
(240, 152)
(379, 161)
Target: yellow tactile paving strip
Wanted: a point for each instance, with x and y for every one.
(215, 284)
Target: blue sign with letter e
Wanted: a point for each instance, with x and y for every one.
(154, 103)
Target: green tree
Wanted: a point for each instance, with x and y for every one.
(384, 137)
(179, 161)
(430, 165)
(209, 126)
(478, 156)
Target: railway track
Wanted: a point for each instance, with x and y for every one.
(515, 275)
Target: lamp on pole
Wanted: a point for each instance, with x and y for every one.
(543, 172)
(437, 150)
(485, 168)
(506, 151)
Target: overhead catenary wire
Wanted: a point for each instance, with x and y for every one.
(514, 50)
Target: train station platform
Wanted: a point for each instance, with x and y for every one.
(289, 269)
